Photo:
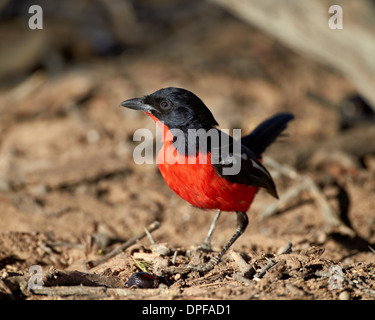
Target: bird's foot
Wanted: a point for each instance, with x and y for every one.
(205, 247)
(205, 267)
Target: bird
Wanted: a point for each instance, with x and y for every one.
(220, 172)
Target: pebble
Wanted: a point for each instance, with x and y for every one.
(345, 295)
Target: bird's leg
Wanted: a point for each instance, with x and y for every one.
(206, 245)
(242, 222)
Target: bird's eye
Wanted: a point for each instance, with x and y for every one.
(165, 104)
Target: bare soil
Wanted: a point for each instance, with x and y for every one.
(71, 192)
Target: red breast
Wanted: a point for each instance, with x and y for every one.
(197, 181)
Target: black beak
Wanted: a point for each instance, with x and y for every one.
(136, 104)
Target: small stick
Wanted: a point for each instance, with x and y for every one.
(152, 227)
(272, 262)
(246, 270)
(285, 198)
(305, 183)
(243, 266)
(288, 249)
(64, 291)
(149, 236)
(174, 257)
(269, 265)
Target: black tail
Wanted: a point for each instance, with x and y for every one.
(266, 133)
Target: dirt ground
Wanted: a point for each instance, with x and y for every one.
(70, 191)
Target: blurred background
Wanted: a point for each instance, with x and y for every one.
(66, 168)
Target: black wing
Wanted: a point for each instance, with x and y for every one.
(251, 172)
(238, 164)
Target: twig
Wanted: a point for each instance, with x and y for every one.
(75, 278)
(304, 183)
(269, 265)
(152, 227)
(149, 236)
(285, 198)
(245, 269)
(62, 283)
(174, 257)
(175, 270)
(92, 292)
(213, 284)
(272, 262)
(288, 249)
(64, 244)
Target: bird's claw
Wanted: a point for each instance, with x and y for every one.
(205, 247)
(205, 267)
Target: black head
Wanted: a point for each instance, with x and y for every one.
(177, 108)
